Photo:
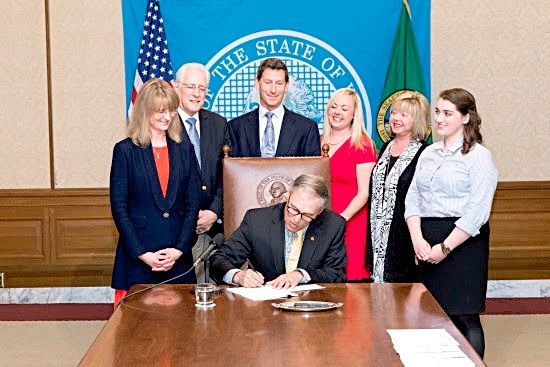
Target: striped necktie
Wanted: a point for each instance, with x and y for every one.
(194, 137)
(268, 147)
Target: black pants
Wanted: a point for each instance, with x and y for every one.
(470, 327)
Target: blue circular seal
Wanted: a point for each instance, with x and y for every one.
(315, 69)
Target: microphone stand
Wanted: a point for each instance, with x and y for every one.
(205, 269)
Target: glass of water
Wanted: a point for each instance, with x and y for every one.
(204, 294)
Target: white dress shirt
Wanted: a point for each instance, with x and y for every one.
(448, 183)
(277, 120)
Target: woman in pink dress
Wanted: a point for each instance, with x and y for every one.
(352, 157)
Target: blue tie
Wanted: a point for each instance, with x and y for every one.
(268, 148)
(194, 137)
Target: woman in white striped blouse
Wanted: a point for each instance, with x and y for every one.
(447, 210)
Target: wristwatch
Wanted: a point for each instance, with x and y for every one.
(445, 249)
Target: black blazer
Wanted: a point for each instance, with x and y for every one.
(146, 221)
(261, 239)
(214, 134)
(299, 136)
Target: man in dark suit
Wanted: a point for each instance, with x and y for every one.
(271, 129)
(208, 132)
(286, 244)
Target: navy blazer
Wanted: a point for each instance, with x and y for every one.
(214, 134)
(299, 136)
(261, 239)
(146, 221)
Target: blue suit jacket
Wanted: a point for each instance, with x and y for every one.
(146, 221)
(261, 239)
(299, 136)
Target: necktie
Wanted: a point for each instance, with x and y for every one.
(295, 250)
(268, 148)
(194, 137)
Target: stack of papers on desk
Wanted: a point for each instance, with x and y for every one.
(267, 292)
(428, 347)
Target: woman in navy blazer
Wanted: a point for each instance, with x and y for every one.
(154, 193)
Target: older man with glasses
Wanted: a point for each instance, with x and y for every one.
(299, 241)
(208, 132)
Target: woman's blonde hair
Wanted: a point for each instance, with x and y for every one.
(154, 96)
(358, 133)
(419, 107)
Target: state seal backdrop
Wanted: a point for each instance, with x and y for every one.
(326, 45)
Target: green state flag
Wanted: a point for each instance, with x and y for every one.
(404, 73)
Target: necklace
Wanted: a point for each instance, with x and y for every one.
(157, 152)
(341, 141)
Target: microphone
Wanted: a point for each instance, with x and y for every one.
(212, 245)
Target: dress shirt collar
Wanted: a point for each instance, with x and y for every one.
(184, 116)
(457, 145)
(293, 234)
(277, 120)
(279, 112)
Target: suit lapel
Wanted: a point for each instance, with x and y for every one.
(285, 136)
(253, 127)
(152, 175)
(175, 172)
(205, 138)
(277, 239)
(309, 245)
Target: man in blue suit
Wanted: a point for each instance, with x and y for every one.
(272, 130)
(208, 133)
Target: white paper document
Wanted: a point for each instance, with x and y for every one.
(267, 292)
(428, 347)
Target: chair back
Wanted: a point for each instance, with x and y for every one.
(258, 182)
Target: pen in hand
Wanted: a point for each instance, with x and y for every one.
(260, 274)
(256, 279)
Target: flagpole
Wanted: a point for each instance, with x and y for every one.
(406, 3)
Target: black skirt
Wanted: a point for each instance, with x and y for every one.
(459, 281)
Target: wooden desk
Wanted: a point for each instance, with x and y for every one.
(162, 327)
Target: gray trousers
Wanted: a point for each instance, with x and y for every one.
(198, 248)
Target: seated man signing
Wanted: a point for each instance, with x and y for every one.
(289, 243)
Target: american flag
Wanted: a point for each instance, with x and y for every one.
(154, 58)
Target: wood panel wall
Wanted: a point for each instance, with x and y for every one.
(68, 238)
(56, 237)
(520, 231)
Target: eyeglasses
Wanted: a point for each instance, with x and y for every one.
(293, 211)
(192, 87)
(162, 113)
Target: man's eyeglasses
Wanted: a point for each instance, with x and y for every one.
(192, 87)
(293, 211)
